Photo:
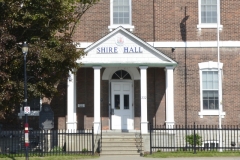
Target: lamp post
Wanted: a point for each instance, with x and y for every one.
(25, 51)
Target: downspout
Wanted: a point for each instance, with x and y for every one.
(154, 25)
(154, 38)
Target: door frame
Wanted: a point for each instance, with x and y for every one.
(110, 100)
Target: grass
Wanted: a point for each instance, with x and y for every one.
(190, 154)
(74, 157)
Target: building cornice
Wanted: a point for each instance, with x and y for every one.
(193, 44)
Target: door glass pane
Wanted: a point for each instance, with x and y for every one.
(117, 101)
(126, 101)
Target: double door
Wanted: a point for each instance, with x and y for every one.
(121, 106)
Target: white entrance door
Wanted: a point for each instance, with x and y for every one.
(122, 110)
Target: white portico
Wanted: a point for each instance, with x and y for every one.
(125, 59)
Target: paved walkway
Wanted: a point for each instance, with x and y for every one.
(144, 158)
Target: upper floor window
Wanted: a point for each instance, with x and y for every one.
(209, 11)
(208, 14)
(121, 14)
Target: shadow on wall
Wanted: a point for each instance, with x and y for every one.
(59, 106)
(156, 96)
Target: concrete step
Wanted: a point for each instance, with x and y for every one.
(123, 140)
(121, 144)
(120, 152)
(120, 148)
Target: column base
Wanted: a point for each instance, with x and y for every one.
(96, 127)
(169, 125)
(71, 125)
(144, 127)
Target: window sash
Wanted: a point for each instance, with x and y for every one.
(210, 100)
(121, 12)
(208, 11)
(210, 80)
(210, 90)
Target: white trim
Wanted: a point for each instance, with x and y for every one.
(71, 102)
(209, 25)
(126, 26)
(108, 72)
(130, 120)
(205, 25)
(193, 44)
(105, 62)
(169, 92)
(130, 27)
(143, 85)
(97, 99)
(209, 66)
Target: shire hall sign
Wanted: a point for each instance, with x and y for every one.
(116, 49)
(120, 47)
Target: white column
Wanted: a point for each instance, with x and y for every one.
(71, 102)
(169, 97)
(97, 86)
(144, 121)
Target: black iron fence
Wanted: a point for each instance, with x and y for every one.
(194, 138)
(47, 142)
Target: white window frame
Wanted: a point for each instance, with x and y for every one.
(209, 66)
(206, 25)
(114, 26)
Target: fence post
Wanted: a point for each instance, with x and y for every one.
(194, 137)
(150, 126)
(92, 141)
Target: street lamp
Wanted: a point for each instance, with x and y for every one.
(25, 51)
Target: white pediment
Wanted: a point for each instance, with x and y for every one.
(122, 48)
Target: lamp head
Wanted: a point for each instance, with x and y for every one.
(25, 48)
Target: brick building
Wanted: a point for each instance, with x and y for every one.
(154, 61)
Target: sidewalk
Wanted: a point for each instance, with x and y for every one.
(143, 158)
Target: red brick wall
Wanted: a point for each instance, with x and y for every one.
(187, 85)
(85, 90)
(174, 20)
(58, 105)
(137, 104)
(156, 96)
(105, 103)
(186, 91)
(169, 21)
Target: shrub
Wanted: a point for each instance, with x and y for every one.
(84, 150)
(190, 139)
(57, 149)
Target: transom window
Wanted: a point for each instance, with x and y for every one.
(121, 74)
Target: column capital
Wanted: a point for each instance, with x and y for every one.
(143, 67)
(97, 67)
(169, 67)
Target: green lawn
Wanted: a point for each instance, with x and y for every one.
(190, 154)
(51, 158)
